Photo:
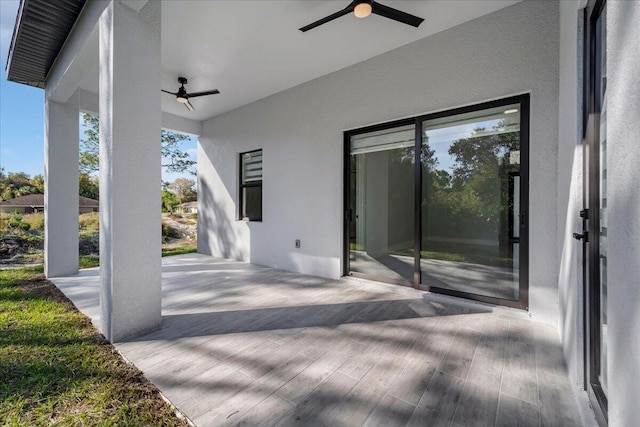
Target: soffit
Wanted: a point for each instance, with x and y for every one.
(41, 29)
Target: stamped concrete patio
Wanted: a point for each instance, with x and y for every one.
(247, 345)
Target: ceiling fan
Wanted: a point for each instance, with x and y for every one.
(364, 8)
(183, 97)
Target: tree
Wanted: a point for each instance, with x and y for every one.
(18, 184)
(88, 186)
(7, 193)
(25, 190)
(174, 159)
(169, 201)
(37, 182)
(90, 145)
(184, 189)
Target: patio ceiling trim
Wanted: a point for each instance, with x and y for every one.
(41, 29)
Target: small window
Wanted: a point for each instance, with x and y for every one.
(251, 186)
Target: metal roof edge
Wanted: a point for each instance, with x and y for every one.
(66, 40)
(41, 67)
(14, 36)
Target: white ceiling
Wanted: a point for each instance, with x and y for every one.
(250, 49)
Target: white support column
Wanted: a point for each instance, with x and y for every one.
(130, 179)
(61, 187)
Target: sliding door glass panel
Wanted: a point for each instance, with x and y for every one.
(381, 211)
(471, 202)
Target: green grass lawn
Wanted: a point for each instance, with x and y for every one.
(57, 369)
(88, 261)
(180, 250)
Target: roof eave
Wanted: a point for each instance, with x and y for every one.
(16, 29)
(32, 68)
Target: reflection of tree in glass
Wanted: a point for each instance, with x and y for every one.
(471, 201)
(427, 156)
(481, 161)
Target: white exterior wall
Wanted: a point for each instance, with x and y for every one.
(570, 156)
(511, 51)
(623, 198)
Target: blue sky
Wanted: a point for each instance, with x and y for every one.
(21, 110)
(22, 113)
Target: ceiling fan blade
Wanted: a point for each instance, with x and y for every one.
(329, 18)
(189, 106)
(206, 92)
(396, 15)
(172, 93)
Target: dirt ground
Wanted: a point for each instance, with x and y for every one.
(19, 250)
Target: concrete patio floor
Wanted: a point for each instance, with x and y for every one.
(247, 345)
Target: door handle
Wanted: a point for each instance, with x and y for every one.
(581, 236)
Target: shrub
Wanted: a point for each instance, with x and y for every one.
(89, 245)
(89, 221)
(34, 240)
(35, 221)
(170, 232)
(15, 222)
(169, 201)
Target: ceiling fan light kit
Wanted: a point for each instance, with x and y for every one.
(182, 96)
(364, 8)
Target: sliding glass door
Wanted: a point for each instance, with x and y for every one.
(456, 223)
(470, 202)
(381, 203)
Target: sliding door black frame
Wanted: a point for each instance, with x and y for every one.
(347, 197)
(523, 295)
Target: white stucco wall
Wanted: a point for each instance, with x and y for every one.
(623, 145)
(512, 51)
(570, 155)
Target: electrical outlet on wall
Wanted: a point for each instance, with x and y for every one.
(298, 243)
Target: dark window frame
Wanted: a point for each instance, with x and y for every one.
(523, 296)
(591, 201)
(242, 186)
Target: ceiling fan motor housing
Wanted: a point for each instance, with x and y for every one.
(183, 97)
